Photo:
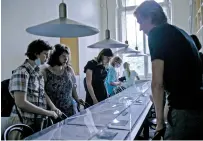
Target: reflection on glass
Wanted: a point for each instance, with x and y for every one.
(89, 122)
(106, 135)
(103, 123)
(116, 112)
(115, 121)
(113, 106)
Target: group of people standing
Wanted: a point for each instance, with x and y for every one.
(176, 71)
(101, 76)
(51, 91)
(43, 92)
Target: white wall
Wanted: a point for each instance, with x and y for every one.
(17, 15)
(15, 19)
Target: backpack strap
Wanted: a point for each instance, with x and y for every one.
(18, 113)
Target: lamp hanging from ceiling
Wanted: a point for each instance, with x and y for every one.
(107, 42)
(136, 54)
(62, 27)
(126, 50)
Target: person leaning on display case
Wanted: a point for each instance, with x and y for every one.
(111, 81)
(95, 75)
(176, 69)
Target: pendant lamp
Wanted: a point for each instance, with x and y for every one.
(126, 50)
(62, 27)
(136, 54)
(107, 42)
(139, 53)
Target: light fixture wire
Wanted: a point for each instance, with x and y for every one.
(107, 15)
(136, 47)
(126, 32)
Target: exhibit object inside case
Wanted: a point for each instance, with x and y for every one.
(111, 119)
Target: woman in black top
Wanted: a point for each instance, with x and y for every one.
(95, 76)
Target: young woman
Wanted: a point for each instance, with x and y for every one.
(95, 75)
(129, 74)
(59, 84)
(111, 80)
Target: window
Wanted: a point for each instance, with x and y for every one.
(142, 65)
(136, 2)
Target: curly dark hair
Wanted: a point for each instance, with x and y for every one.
(54, 57)
(36, 47)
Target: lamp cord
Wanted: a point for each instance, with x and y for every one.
(107, 20)
(126, 32)
(136, 33)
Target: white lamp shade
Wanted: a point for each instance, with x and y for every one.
(62, 27)
(126, 50)
(108, 43)
(136, 55)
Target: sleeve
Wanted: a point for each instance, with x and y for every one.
(136, 74)
(158, 42)
(19, 81)
(111, 76)
(124, 74)
(90, 65)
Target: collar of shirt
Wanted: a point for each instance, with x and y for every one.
(30, 67)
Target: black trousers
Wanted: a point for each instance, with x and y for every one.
(184, 125)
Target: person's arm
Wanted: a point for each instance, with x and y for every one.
(74, 91)
(52, 106)
(159, 44)
(115, 83)
(18, 86)
(136, 75)
(112, 78)
(89, 85)
(21, 102)
(158, 91)
(138, 78)
(123, 74)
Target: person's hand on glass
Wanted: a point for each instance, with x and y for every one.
(95, 101)
(57, 111)
(81, 102)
